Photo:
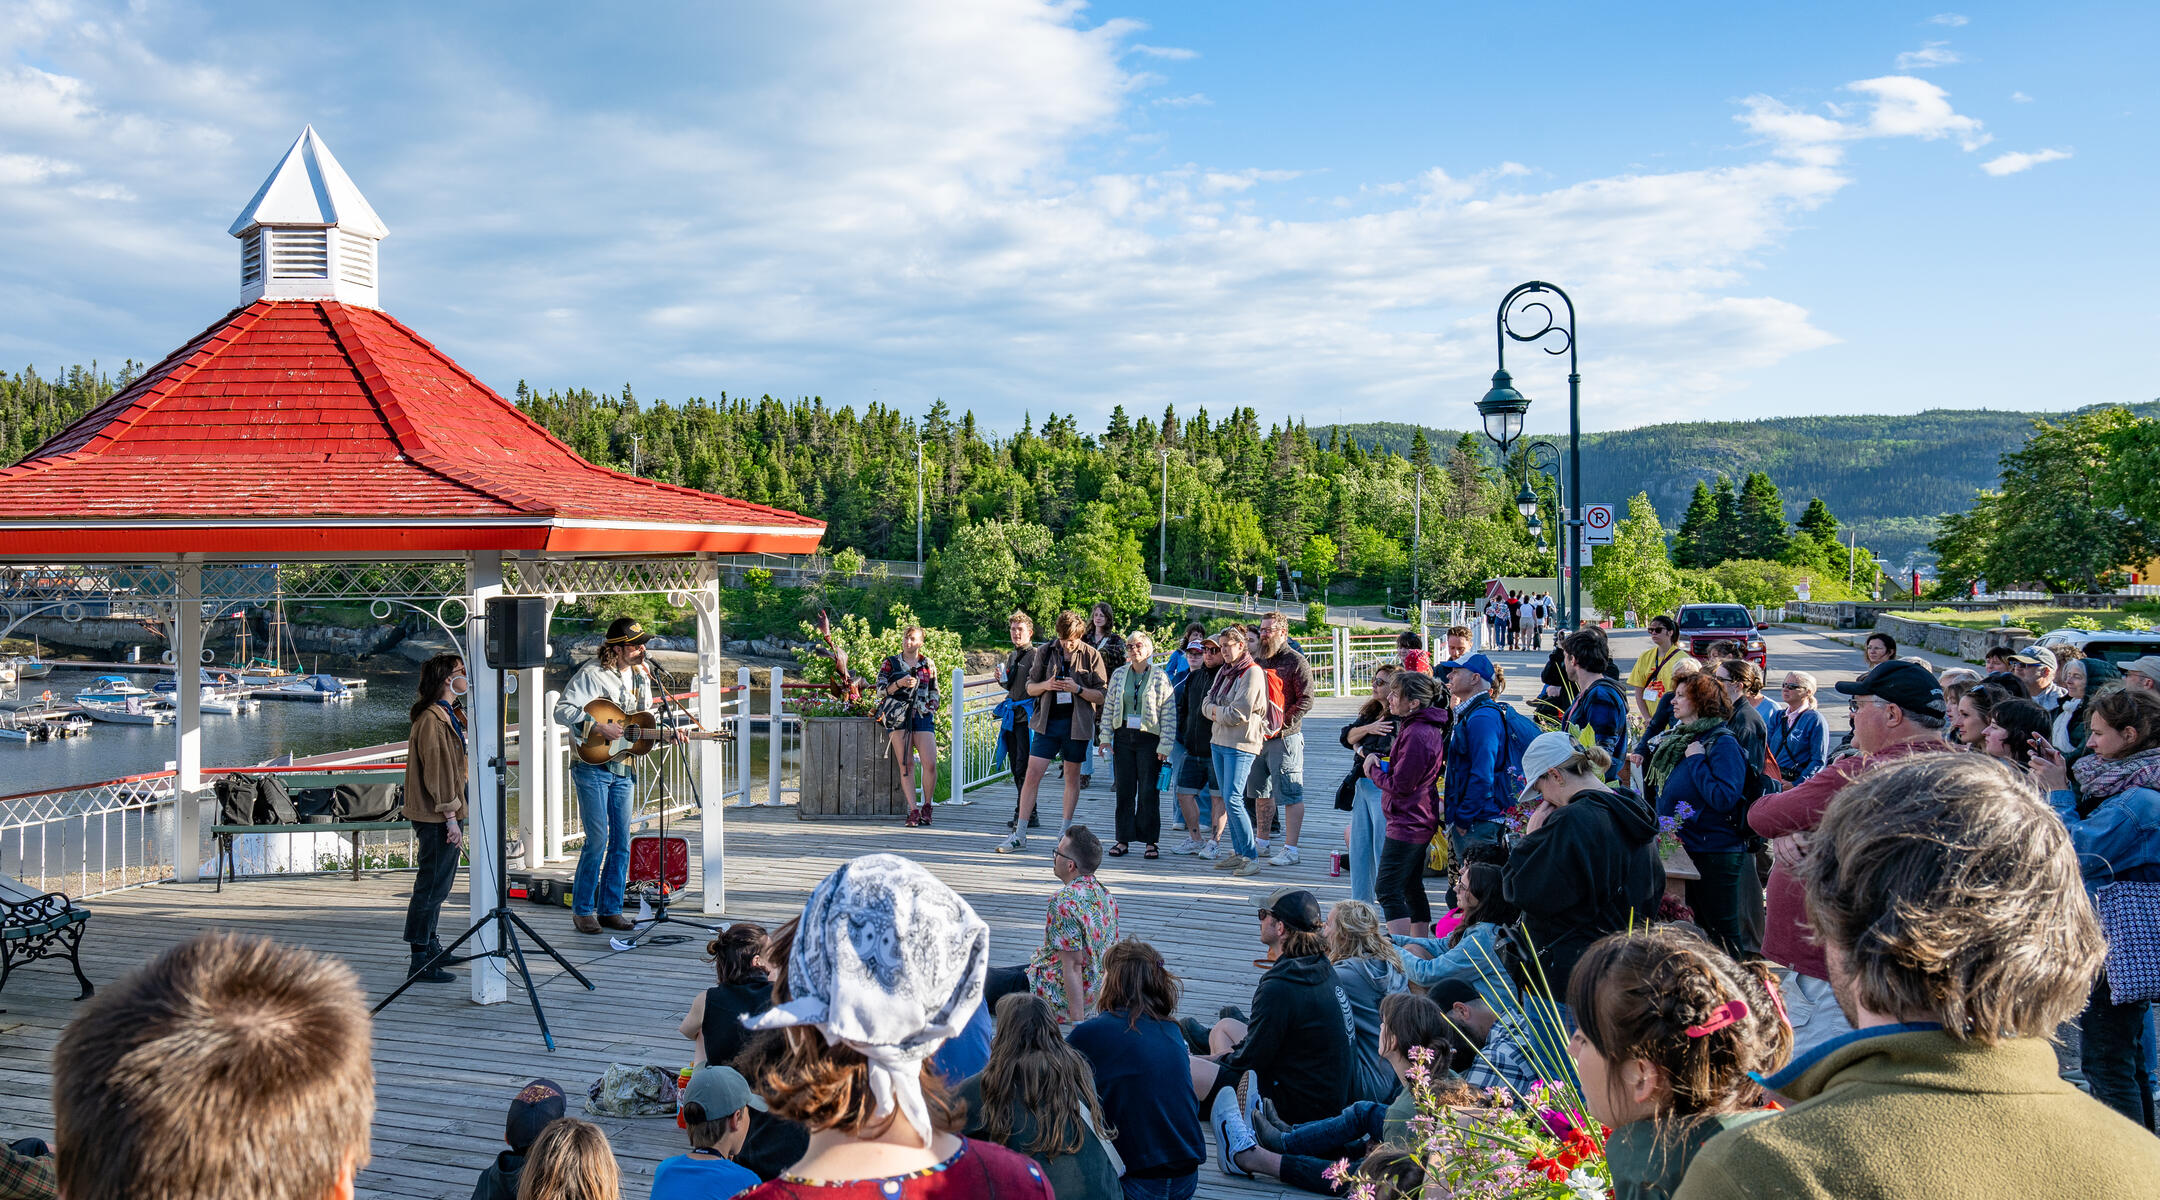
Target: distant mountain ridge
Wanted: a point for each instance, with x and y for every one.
(1887, 477)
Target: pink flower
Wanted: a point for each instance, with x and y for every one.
(1337, 1172)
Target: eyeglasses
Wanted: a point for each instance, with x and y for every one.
(1262, 915)
(1067, 857)
(1791, 687)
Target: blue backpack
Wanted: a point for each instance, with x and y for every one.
(1517, 732)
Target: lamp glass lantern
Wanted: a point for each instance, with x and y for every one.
(1526, 504)
(1502, 411)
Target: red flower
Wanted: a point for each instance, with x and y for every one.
(1569, 1159)
(1555, 1173)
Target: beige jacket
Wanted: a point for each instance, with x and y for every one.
(1241, 716)
(434, 769)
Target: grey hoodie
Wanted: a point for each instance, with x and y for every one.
(1365, 982)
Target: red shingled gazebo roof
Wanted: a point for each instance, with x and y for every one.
(316, 427)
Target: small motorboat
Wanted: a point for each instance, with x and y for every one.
(135, 710)
(109, 689)
(315, 689)
(28, 727)
(26, 666)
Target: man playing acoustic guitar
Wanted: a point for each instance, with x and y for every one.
(605, 791)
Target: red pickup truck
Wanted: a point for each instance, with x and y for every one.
(1702, 624)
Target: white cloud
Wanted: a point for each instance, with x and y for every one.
(1191, 100)
(2021, 98)
(1933, 54)
(1953, 20)
(1177, 53)
(2019, 160)
(904, 200)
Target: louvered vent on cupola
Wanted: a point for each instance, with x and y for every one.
(309, 234)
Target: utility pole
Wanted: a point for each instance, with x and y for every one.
(1417, 545)
(918, 507)
(1162, 536)
(635, 438)
(1852, 556)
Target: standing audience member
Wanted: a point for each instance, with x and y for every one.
(1406, 777)
(2034, 667)
(1587, 864)
(1458, 643)
(1280, 765)
(2113, 815)
(1959, 937)
(860, 1020)
(2011, 728)
(1133, 1045)
(743, 989)
(1369, 968)
(716, 1108)
(571, 1160)
(536, 1105)
(1300, 1044)
(1599, 705)
(1017, 709)
(434, 800)
(225, 1067)
(1371, 733)
(1699, 774)
(2142, 673)
(1195, 756)
(1743, 684)
(911, 676)
(1410, 649)
(1036, 1095)
(1103, 636)
(1673, 1037)
(1878, 649)
(2083, 680)
(1066, 677)
(1236, 705)
(1896, 711)
(1652, 675)
(1081, 923)
(1183, 659)
(1475, 791)
(1797, 736)
(1138, 715)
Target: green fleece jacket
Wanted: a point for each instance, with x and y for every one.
(1908, 1111)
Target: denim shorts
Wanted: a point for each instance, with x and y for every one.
(1056, 745)
(1193, 773)
(923, 724)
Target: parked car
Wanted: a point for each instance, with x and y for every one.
(2111, 645)
(1702, 624)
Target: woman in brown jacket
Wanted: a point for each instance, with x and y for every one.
(434, 801)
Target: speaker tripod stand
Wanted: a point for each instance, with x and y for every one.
(661, 895)
(500, 919)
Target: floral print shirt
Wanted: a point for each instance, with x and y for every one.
(1083, 916)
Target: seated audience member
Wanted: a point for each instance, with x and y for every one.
(857, 1019)
(1468, 952)
(962, 1056)
(1037, 1096)
(226, 1067)
(26, 1171)
(775, 1142)
(737, 954)
(1300, 1154)
(1395, 1173)
(1501, 1041)
(1133, 1045)
(1300, 1041)
(2113, 815)
(1081, 923)
(1369, 968)
(571, 1160)
(716, 1110)
(534, 1108)
(1948, 902)
(1673, 1035)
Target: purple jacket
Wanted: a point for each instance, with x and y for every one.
(1407, 796)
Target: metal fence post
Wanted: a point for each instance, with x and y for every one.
(957, 706)
(1342, 660)
(773, 743)
(742, 734)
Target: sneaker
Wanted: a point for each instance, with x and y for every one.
(1188, 846)
(1231, 1133)
(1208, 852)
(1285, 857)
(1230, 861)
(1260, 847)
(1014, 844)
(1246, 867)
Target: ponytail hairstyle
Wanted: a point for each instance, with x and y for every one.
(1417, 1022)
(1703, 1021)
(1418, 688)
(734, 951)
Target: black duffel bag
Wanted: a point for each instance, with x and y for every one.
(254, 800)
(370, 802)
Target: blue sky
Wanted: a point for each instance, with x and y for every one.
(1760, 210)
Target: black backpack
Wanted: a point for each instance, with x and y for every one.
(254, 800)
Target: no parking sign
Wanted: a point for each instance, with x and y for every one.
(1598, 525)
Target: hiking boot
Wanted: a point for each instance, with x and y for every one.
(585, 923)
(1014, 844)
(420, 959)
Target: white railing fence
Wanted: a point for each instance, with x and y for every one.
(92, 839)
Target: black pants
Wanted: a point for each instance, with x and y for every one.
(1401, 881)
(2113, 1043)
(431, 886)
(1722, 899)
(1139, 804)
(1016, 753)
(1000, 983)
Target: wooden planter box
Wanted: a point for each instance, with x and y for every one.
(847, 771)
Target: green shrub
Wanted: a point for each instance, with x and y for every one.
(1316, 617)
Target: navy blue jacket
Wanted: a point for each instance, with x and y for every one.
(1798, 745)
(1604, 709)
(1158, 1127)
(1473, 789)
(1712, 784)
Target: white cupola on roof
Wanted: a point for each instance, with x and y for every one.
(309, 234)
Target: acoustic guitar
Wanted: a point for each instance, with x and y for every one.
(641, 732)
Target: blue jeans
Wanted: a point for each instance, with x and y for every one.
(1232, 766)
(1368, 828)
(1179, 1187)
(1308, 1150)
(603, 864)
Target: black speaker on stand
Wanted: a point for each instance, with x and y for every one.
(516, 640)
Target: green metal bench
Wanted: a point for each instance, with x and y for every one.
(35, 925)
(296, 781)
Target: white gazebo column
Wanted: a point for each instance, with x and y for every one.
(532, 757)
(711, 755)
(187, 646)
(483, 837)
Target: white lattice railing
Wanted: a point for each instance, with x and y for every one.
(90, 839)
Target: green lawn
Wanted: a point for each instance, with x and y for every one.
(2039, 620)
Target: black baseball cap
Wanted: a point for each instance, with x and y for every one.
(1295, 907)
(625, 631)
(534, 1108)
(1910, 686)
(1450, 992)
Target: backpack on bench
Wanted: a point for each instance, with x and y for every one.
(254, 800)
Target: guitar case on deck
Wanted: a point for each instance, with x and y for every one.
(651, 855)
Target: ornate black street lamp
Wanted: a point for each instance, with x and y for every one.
(1503, 408)
(1560, 501)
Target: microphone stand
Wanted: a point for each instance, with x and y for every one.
(661, 681)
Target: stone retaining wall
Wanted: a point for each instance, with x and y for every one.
(1969, 644)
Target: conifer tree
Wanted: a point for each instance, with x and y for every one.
(1762, 519)
(1724, 540)
(1691, 542)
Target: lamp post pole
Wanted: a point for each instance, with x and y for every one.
(1560, 499)
(1162, 534)
(1503, 408)
(918, 507)
(635, 438)
(1417, 546)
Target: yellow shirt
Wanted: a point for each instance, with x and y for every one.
(1653, 673)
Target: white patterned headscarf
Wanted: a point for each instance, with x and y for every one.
(889, 962)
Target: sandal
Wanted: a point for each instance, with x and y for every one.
(1151, 852)
(1119, 849)
(912, 822)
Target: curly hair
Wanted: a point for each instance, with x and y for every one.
(1638, 994)
(1949, 892)
(1032, 1070)
(1353, 930)
(1705, 695)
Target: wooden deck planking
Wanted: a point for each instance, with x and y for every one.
(445, 1068)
